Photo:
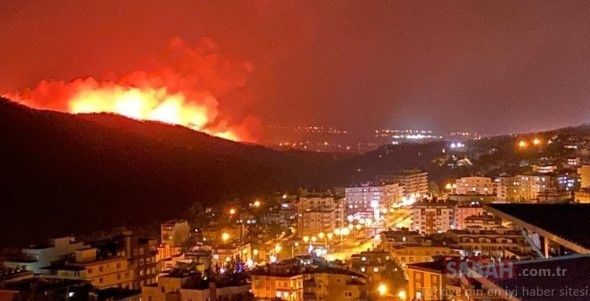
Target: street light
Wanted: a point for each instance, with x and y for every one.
(342, 232)
(296, 244)
(257, 203)
(402, 295)
(225, 237)
(382, 289)
(232, 211)
(278, 249)
(305, 239)
(322, 235)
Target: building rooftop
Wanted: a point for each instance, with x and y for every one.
(433, 204)
(568, 221)
(172, 222)
(471, 205)
(433, 266)
(64, 267)
(295, 271)
(371, 184)
(336, 270)
(498, 232)
(321, 195)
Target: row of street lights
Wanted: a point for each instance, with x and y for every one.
(343, 231)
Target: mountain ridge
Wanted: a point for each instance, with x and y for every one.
(79, 173)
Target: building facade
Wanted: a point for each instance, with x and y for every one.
(474, 185)
(102, 273)
(334, 284)
(185, 286)
(36, 257)
(274, 284)
(584, 172)
(508, 189)
(432, 217)
(414, 181)
(175, 232)
(464, 211)
(498, 243)
(369, 199)
(321, 212)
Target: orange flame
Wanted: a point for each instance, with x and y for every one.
(148, 104)
(180, 90)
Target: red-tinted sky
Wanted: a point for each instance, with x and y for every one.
(488, 66)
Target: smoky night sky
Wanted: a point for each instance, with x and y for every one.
(486, 66)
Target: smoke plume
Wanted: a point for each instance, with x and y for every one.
(182, 85)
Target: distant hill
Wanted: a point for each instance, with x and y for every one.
(63, 173)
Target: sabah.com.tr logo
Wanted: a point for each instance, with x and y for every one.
(477, 269)
(497, 270)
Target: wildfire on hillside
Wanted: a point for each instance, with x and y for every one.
(182, 86)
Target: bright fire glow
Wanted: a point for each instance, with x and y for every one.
(147, 104)
(182, 86)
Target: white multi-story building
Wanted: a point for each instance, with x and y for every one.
(319, 213)
(573, 162)
(36, 257)
(432, 217)
(414, 181)
(368, 199)
(508, 188)
(538, 168)
(532, 185)
(474, 185)
(522, 187)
